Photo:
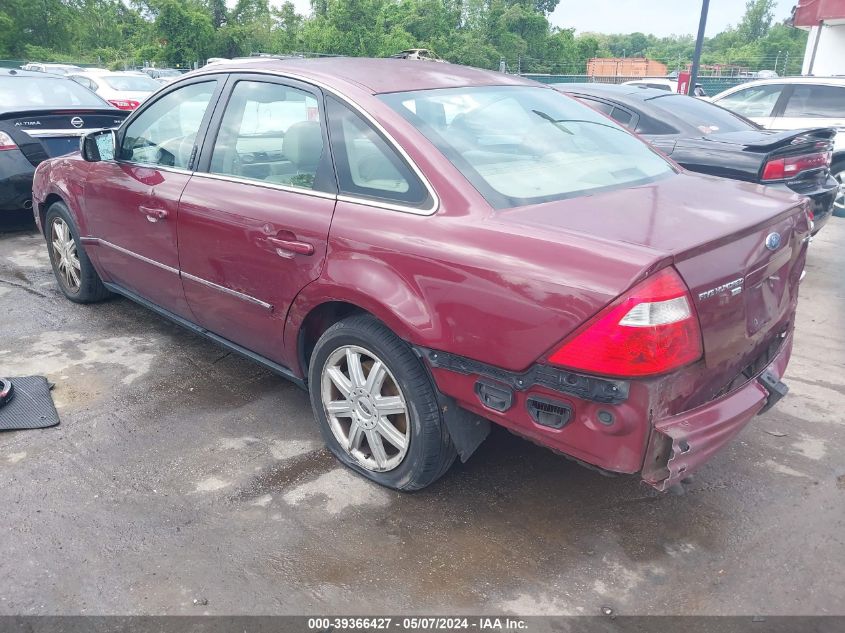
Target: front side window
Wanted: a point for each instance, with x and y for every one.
(819, 102)
(525, 145)
(757, 101)
(165, 133)
(366, 165)
(271, 133)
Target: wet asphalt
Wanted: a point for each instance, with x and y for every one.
(186, 480)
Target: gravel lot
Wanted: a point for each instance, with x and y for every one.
(182, 473)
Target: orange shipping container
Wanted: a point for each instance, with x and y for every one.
(625, 67)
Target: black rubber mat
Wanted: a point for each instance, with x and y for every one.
(31, 406)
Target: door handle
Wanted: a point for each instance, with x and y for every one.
(292, 246)
(153, 215)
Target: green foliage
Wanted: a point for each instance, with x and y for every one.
(123, 33)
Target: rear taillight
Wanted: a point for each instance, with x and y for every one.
(6, 142)
(124, 104)
(651, 330)
(785, 168)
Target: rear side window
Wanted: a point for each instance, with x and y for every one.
(822, 102)
(757, 101)
(366, 165)
(622, 117)
(601, 106)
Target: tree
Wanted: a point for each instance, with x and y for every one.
(757, 19)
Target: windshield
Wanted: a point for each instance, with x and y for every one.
(169, 73)
(132, 83)
(702, 115)
(45, 92)
(525, 145)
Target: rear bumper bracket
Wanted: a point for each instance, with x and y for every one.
(777, 389)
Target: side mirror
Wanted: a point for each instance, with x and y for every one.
(98, 145)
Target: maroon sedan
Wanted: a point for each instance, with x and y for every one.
(428, 248)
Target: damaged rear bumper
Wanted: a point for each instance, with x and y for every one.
(682, 443)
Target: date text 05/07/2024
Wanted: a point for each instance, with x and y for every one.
(417, 623)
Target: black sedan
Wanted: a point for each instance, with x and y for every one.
(42, 116)
(706, 138)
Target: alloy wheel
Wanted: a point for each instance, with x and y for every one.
(65, 255)
(366, 410)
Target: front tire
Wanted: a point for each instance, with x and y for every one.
(376, 405)
(74, 272)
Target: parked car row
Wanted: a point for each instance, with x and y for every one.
(124, 90)
(430, 253)
(705, 138)
(42, 116)
(791, 103)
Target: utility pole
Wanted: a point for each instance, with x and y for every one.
(777, 59)
(696, 58)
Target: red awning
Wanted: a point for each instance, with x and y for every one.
(811, 12)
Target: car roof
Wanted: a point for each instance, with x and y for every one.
(822, 81)
(19, 72)
(838, 81)
(613, 91)
(376, 76)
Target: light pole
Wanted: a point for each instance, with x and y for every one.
(696, 57)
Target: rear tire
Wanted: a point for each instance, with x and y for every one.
(838, 172)
(376, 405)
(74, 272)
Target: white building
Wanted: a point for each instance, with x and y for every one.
(825, 20)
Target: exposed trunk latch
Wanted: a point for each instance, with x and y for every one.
(776, 388)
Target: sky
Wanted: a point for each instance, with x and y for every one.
(660, 17)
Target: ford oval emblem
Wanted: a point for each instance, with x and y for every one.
(773, 241)
(77, 122)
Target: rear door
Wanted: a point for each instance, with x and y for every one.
(811, 105)
(131, 203)
(754, 102)
(254, 221)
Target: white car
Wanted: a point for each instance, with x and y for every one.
(163, 75)
(791, 103)
(663, 83)
(53, 69)
(124, 90)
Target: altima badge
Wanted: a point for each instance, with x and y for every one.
(773, 241)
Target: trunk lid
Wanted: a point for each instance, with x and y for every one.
(770, 140)
(57, 132)
(715, 232)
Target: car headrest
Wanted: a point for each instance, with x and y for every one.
(303, 145)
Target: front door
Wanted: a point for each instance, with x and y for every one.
(754, 102)
(254, 220)
(131, 203)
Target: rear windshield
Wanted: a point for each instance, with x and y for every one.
(130, 83)
(702, 115)
(45, 92)
(524, 145)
